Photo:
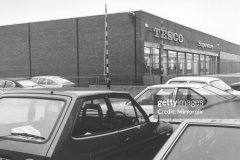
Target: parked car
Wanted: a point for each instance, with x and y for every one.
(186, 96)
(53, 81)
(72, 125)
(203, 140)
(13, 83)
(215, 82)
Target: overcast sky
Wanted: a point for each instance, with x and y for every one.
(216, 17)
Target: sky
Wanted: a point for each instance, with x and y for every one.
(215, 17)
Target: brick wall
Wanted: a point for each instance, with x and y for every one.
(14, 51)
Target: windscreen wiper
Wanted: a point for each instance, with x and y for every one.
(28, 135)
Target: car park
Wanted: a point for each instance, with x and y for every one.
(72, 125)
(215, 82)
(53, 81)
(208, 139)
(16, 83)
(185, 96)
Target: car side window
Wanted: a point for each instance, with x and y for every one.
(10, 84)
(42, 81)
(188, 94)
(125, 113)
(34, 80)
(93, 118)
(51, 82)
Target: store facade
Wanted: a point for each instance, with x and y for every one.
(143, 48)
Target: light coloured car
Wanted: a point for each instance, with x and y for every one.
(52, 81)
(203, 139)
(175, 98)
(215, 82)
(17, 83)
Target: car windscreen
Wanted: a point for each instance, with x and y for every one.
(221, 85)
(219, 92)
(28, 119)
(200, 142)
(27, 83)
(147, 97)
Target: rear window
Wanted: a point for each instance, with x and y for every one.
(35, 117)
(61, 80)
(221, 85)
(219, 92)
(197, 82)
(177, 82)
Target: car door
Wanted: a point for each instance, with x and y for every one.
(136, 134)
(188, 103)
(92, 137)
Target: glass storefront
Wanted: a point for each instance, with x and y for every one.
(178, 63)
(202, 64)
(189, 60)
(164, 62)
(181, 63)
(172, 62)
(195, 64)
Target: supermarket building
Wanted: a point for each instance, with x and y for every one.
(142, 49)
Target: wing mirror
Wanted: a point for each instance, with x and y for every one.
(154, 118)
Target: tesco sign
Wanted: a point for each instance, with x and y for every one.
(169, 35)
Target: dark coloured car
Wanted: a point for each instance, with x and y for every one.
(12, 83)
(75, 125)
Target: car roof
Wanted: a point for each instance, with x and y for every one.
(45, 76)
(194, 78)
(54, 92)
(177, 85)
(14, 79)
(213, 121)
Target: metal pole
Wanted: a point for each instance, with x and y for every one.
(106, 57)
(30, 50)
(160, 53)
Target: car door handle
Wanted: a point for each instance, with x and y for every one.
(126, 138)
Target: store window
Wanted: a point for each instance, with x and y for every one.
(151, 58)
(214, 65)
(189, 60)
(196, 64)
(164, 62)
(155, 60)
(208, 64)
(202, 64)
(147, 60)
(172, 62)
(181, 63)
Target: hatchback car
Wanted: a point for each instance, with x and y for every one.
(74, 125)
(13, 83)
(169, 100)
(215, 82)
(53, 81)
(203, 139)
